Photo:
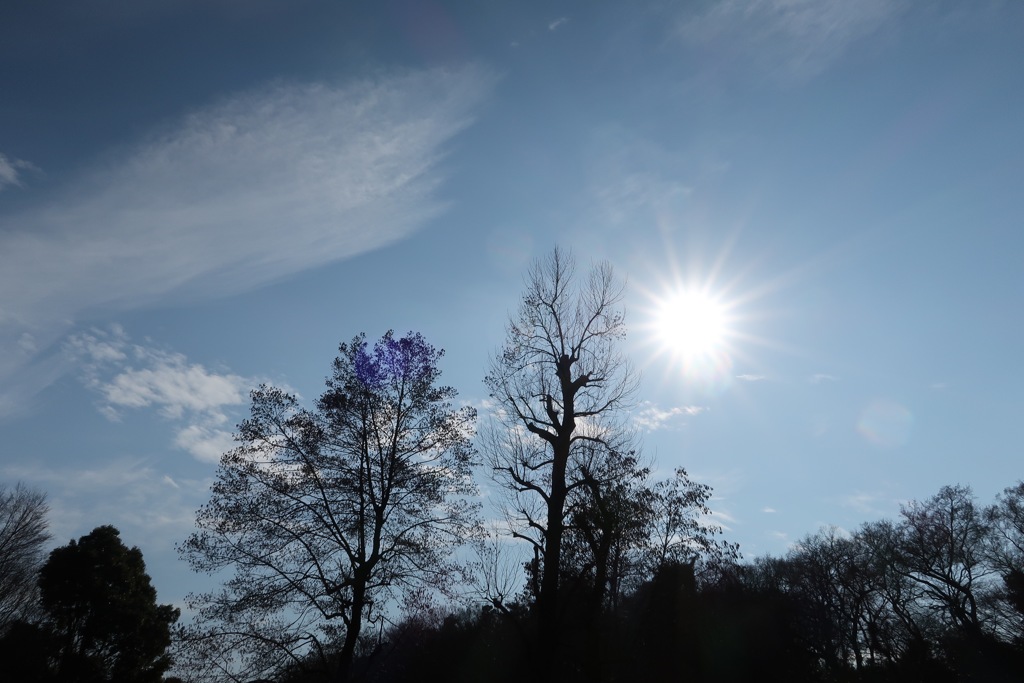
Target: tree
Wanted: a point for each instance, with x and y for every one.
(325, 514)
(941, 548)
(22, 537)
(678, 530)
(1005, 551)
(621, 529)
(561, 387)
(102, 611)
(831, 575)
(606, 522)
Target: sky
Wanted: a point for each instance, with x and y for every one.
(198, 197)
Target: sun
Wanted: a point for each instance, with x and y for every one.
(691, 324)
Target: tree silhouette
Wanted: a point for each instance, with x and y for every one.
(102, 612)
(324, 514)
(941, 548)
(1005, 551)
(561, 386)
(22, 537)
(677, 528)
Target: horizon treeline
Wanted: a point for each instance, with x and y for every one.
(348, 538)
(936, 595)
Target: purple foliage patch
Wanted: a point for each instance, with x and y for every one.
(410, 359)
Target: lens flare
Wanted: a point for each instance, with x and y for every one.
(886, 423)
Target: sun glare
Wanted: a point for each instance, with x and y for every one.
(691, 324)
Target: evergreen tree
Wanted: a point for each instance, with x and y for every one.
(103, 616)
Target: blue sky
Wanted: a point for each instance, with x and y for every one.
(196, 197)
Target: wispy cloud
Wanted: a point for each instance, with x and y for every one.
(864, 503)
(769, 510)
(793, 39)
(237, 194)
(623, 195)
(557, 23)
(11, 171)
(719, 516)
(130, 493)
(821, 377)
(151, 509)
(134, 376)
(752, 378)
(652, 418)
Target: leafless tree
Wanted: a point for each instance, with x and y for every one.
(1006, 545)
(941, 548)
(562, 388)
(1005, 552)
(23, 535)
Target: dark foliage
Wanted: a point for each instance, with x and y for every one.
(839, 608)
(101, 621)
(28, 652)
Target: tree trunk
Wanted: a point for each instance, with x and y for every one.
(355, 624)
(548, 607)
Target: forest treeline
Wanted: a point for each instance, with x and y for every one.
(936, 595)
(348, 538)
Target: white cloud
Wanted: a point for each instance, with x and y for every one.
(237, 194)
(554, 25)
(205, 442)
(127, 492)
(10, 171)
(651, 418)
(769, 510)
(794, 39)
(98, 347)
(133, 376)
(820, 377)
(175, 386)
(752, 378)
(720, 517)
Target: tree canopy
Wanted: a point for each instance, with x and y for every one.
(102, 612)
(326, 514)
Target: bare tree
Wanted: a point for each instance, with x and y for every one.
(22, 537)
(1005, 552)
(561, 387)
(941, 548)
(1006, 545)
(326, 514)
(496, 574)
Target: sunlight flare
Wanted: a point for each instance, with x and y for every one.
(691, 323)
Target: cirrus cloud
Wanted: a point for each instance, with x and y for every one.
(793, 39)
(237, 194)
